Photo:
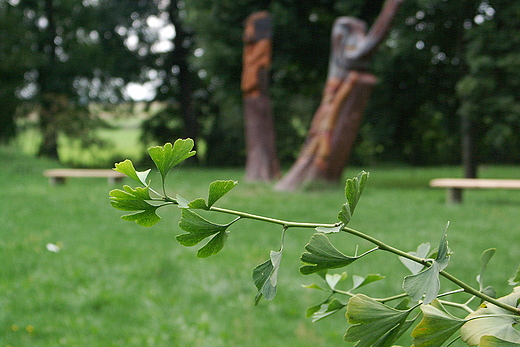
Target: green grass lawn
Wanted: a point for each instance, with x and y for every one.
(114, 283)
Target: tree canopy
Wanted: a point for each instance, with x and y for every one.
(443, 61)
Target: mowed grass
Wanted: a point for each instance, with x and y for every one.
(114, 283)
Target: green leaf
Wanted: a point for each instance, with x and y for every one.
(492, 341)
(127, 167)
(312, 286)
(325, 230)
(198, 229)
(426, 283)
(167, 156)
(360, 281)
(353, 189)
(326, 309)
(374, 324)
(218, 189)
(421, 252)
(333, 280)
(183, 203)
(436, 327)
(321, 255)
(265, 277)
(198, 204)
(494, 321)
(515, 280)
(135, 200)
(484, 260)
(214, 245)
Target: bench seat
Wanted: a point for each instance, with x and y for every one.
(456, 185)
(59, 176)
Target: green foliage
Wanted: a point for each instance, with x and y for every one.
(491, 320)
(374, 324)
(426, 283)
(167, 156)
(322, 255)
(372, 321)
(436, 326)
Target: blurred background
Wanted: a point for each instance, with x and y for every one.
(93, 81)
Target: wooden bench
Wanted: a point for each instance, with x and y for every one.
(59, 176)
(456, 185)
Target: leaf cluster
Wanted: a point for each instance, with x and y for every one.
(372, 321)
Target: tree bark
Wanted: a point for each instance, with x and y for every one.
(50, 103)
(182, 51)
(261, 161)
(336, 123)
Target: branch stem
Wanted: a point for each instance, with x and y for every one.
(381, 245)
(285, 224)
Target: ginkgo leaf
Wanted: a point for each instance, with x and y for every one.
(199, 229)
(127, 167)
(515, 280)
(421, 252)
(334, 279)
(374, 324)
(214, 245)
(218, 189)
(492, 320)
(426, 283)
(167, 156)
(484, 260)
(360, 281)
(492, 341)
(265, 277)
(131, 199)
(436, 327)
(353, 189)
(321, 255)
(327, 309)
(335, 229)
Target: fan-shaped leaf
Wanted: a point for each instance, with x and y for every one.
(131, 199)
(167, 156)
(426, 283)
(374, 324)
(436, 327)
(265, 277)
(353, 189)
(218, 189)
(198, 229)
(492, 341)
(127, 167)
(421, 252)
(321, 255)
(494, 321)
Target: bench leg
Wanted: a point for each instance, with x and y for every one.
(57, 181)
(454, 196)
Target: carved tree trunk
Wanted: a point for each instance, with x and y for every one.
(336, 123)
(262, 162)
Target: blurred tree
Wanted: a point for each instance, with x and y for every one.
(16, 58)
(446, 68)
(262, 159)
(348, 88)
(490, 91)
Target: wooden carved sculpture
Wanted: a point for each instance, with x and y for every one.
(262, 162)
(336, 123)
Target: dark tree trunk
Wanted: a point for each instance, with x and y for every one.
(336, 123)
(182, 42)
(49, 99)
(262, 161)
